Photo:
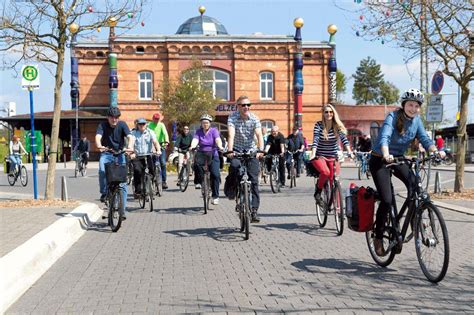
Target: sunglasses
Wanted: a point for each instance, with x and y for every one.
(245, 105)
(142, 124)
(328, 112)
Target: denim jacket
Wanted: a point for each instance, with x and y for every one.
(398, 143)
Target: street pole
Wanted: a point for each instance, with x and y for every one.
(73, 28)
(113, 78)
(298, 83)
(33, 142)
(332, 65)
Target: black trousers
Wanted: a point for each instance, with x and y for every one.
(382, 181)
(230, 187)
(139, 165)
(281, 167)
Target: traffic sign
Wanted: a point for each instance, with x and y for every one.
(30, 77)
(437, 82)
(434, 113)
(436, 100)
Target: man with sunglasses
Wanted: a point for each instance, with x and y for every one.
(145, 141)
(244, 127)
(111, 134)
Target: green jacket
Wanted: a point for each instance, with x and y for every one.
(160, 131)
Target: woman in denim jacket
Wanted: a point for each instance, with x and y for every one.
(398, 131)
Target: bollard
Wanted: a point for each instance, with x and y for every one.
(64, 159)
(64, 196)
(437, 184)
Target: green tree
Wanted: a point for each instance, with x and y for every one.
(368, 81)
(38, 31)
(389, 93)
(186, 99)
(441, 31)
(340, 85)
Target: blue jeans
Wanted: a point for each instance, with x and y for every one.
(105, 158)
(15, 159)
(163, 165)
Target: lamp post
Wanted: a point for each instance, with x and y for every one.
(298, 74)
(332, 65)
(113, 78)
(73, 28)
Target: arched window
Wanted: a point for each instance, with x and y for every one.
(266, 86)
(374, 131)
(145, 85)
(267, 124)
(220, 84)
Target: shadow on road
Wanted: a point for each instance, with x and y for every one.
(218, 234)
(310, 229)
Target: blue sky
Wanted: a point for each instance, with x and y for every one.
(268, 17)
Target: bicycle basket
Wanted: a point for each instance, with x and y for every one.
(360, 204)
(116, 173)
(311, 170)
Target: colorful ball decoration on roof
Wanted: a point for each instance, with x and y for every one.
(90, 9)
(130, 15)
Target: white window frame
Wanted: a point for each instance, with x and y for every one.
(267, 123)
(145, 81)
(268, 84)
(214, 81)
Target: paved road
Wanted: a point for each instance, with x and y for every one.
(178, 260)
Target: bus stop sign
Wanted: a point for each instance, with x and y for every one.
(437, 82)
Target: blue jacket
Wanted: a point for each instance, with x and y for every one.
(397, 143)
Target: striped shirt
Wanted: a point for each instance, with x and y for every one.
(244, 139)
(329, 147)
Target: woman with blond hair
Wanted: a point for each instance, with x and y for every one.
(325, 146)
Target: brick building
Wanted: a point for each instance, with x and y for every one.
(259, 66)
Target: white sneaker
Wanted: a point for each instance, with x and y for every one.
(198, 186)
(215, 201)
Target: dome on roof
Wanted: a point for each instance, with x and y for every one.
(202, 25)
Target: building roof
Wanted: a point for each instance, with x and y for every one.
(202, 25)
(65, 114)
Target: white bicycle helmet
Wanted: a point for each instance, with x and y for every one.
(206, 117)
(412, 95)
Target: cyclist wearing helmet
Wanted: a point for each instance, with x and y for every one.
(162, 136)
(399, 129)
(111, 134)
(209, 141)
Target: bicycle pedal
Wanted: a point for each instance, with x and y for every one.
(409, 237)
(398, 248)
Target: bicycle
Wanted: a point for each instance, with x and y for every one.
(292, 169)
(275, 183)
(158, 182)
(421, 216)
(331, 201)
(206, 186)
(243, 198)
(81, 166)
(116, 175)
(263, 173)
(362, 164)
(129, 171)
(18, 172)
(148, 191)
(183, 178)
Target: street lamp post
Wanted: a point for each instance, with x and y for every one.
(113, 78)
(298, 84)
(332, 65)
(73, 28)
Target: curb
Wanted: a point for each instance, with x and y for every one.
(447, 206)
(23, 266)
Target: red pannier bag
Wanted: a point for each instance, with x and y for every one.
(360, 204)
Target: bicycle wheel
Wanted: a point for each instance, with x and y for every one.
(205, 192)
(292, 175)
(158, 181)
(389, 235)
(274, 181)
(76, 169)
(359, 172)
(83, 169)
(150, 191)
(431, 242)
(129, 173)
(338, 204)
(183, 179)
(321, 211)
(246, 212)
(448, 160)
(23, 176)
(11, 178)
(115, 203)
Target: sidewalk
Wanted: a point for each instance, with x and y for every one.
(33, 239)
(468, 168)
